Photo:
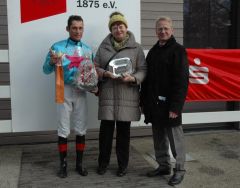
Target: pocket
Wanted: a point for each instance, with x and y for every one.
(162, 108)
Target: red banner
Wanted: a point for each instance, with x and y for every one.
(214, 75)
(37, 9)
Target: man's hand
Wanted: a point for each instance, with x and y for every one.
(94, 91)
(173, 115)
(55, 57)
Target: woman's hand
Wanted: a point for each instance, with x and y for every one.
(108, 74)
(128, 78)
(125, 77)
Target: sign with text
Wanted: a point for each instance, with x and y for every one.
(33, 26)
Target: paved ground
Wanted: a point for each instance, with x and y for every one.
(214, 162)
(39, 164)
(217, 161)
(10, 163)
(213, 159)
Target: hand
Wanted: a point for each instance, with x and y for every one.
(173, 115)
(108, 74)
(54, 57)
(94, 91)
(128, 78)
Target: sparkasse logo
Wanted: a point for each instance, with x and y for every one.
(37, 9)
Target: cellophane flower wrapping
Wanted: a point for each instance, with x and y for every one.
(86, 76)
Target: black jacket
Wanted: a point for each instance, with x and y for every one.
(166, 83)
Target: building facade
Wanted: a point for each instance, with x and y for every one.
(197, 24)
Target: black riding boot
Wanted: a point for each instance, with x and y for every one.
(62, 147)
(80, 146)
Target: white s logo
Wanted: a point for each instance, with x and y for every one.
(197, 74)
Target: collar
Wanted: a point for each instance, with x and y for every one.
(74, 42)
(161, 44)
(169, 42)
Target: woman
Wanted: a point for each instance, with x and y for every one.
(118, 97)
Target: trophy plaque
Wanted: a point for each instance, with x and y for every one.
(120, 66)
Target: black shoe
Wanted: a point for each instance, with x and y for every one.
(82, 171)
(159, 172)
(101, 170)
(62, 173)
(177, 177)
(121, 172)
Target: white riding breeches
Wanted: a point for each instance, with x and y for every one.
(73, 112)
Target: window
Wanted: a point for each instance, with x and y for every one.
(207, 23)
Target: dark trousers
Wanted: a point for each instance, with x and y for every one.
(122, 142)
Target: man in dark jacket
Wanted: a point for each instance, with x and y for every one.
(162, 98)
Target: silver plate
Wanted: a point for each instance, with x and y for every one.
(120, 66)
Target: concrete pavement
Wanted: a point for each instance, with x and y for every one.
(214, 163)
(213, 159)
(10, 162)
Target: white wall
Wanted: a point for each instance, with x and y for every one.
(32, 92)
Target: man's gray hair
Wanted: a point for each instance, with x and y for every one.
(164, 18)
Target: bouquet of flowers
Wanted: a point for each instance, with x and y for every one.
(86, 76)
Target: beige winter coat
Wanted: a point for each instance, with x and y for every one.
(118, 100)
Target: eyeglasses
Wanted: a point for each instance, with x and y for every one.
(160, 29)
(116, 27)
